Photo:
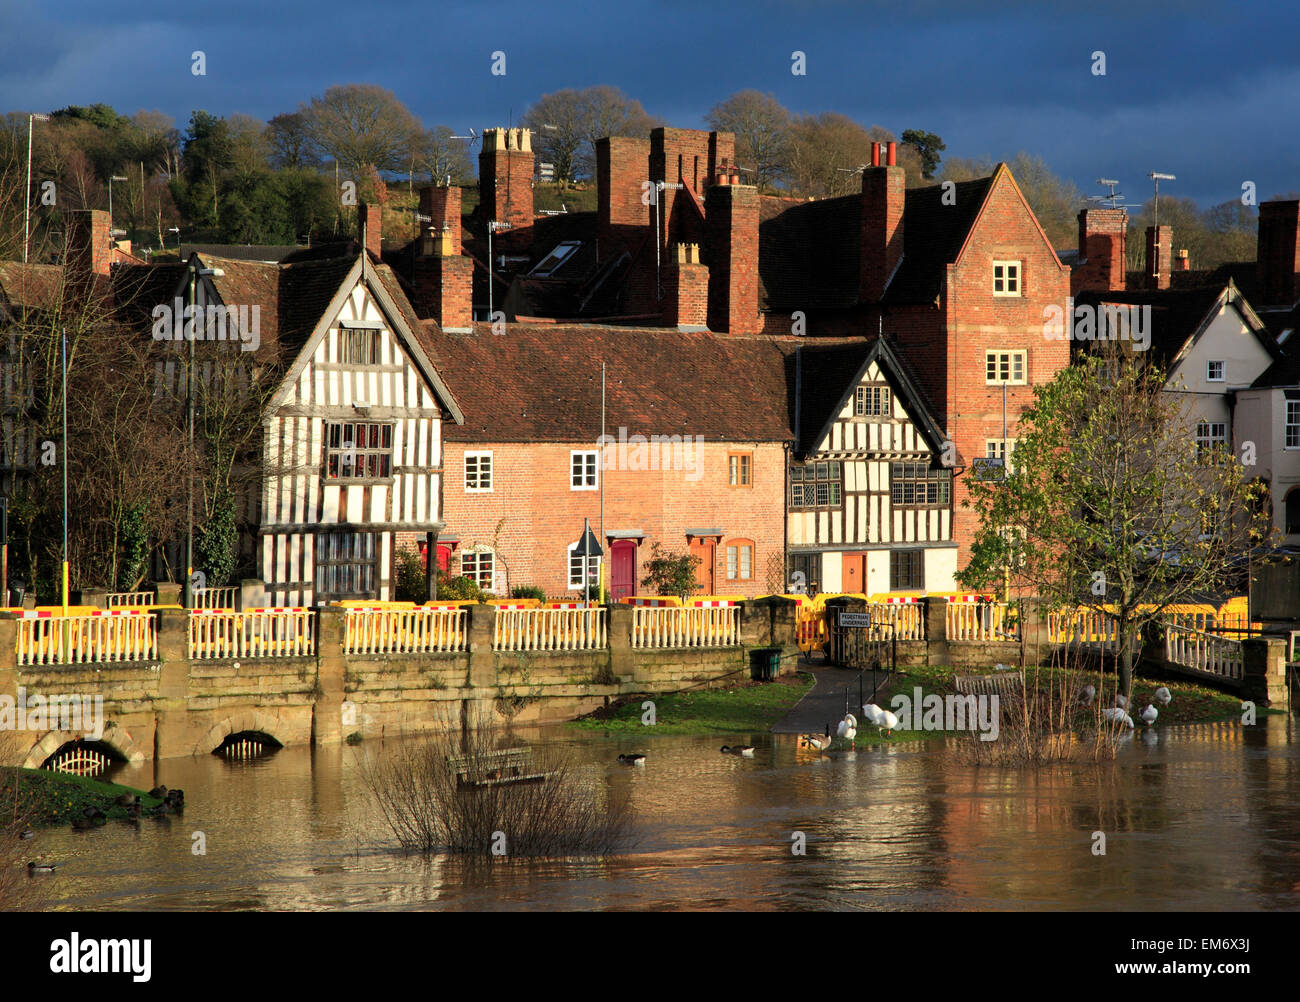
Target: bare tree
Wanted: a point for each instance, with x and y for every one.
(568, 123)
(762, 128)
(362, 125)
(291, 143)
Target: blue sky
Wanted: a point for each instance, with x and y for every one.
(1206, 91)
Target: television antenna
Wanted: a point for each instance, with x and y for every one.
(1157, 177)
(1113, 199)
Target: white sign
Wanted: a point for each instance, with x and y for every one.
(855, 619)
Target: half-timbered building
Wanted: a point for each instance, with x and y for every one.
(870, 499)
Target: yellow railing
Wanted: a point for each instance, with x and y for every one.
(129, 599)
(404, 631)
(905, 619)
(549, 630)
(258, 633)
(71, 640)
(711, 626)
(982, 621)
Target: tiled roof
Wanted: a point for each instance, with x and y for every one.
(1176, 314)
(34, 286)
(933, 234)
(809, 252)
(137, 289)
(542, 383)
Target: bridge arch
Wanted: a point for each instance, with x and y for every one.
(256, 721)
(116, 737)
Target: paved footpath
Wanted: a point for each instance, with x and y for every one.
(824, 703)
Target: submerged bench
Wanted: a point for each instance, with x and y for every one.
(1003, 683)
(509, 765)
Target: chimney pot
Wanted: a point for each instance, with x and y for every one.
(875, 154)
(893, 155)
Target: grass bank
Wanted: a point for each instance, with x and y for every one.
(745, 708)
(57, 798)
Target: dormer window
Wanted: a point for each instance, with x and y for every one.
(1006, 278)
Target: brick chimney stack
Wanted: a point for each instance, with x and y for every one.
(883, 197)
(686, 289)
(505, 180)
(90, 243)
(731, 226)
(1278, 254)
(1102, 233)
(1160, 242)
(371, 223)
(443, 276)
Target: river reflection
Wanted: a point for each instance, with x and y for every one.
(1195, 817)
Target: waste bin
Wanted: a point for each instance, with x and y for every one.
(764, 663)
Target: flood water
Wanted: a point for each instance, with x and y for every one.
(1195, 817)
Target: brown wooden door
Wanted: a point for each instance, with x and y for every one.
(622, 569)
(707, 551)
(855, 573)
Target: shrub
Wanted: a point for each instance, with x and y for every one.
(671, 573)
(528, 591)
(415, 786)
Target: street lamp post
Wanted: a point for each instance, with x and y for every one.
(27, 211)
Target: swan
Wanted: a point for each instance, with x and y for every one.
(872, 712)
(1149, 715)
(887, 721)
(1087, 694)
(1163, 696)
(848, 729)
(632, 759)
(745, 751)
(1116, 715)
(1121, 701)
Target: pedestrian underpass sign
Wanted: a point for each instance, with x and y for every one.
(855, 619)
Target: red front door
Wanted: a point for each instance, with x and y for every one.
(706, 550)
(622, 569)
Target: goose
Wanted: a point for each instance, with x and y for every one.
(745, 751)
(1163, 696)
(1121, 701)
(1149, 715)
(815, 742)
(1087, 694)
(632, 759)
(1116, 715)
(35, 867)
(848, 729)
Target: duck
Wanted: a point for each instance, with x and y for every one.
(632, 759)
(1121, 701)
(1163, 696)
(133, 812)
(1087, 694)
(35, 867)
(1116, 715)
(126, 800)
(816, 742)
(746, 751)
(158, 792)
(82, 824)
(1149, 715)
(848, 729)
(176, 795)
(26, 834)
(92, 813)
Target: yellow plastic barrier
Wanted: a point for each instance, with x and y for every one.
(651, 600)
(517, 603)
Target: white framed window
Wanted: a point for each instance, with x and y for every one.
(740, 560)
(1211, 436)
(583, 464)
(1214, 371)
(479, 565)
(358, 450)
(1006, 278)
(478, 472)
(1004, 367)
(872, 401)
(1002, 452)
(575, 570)
(1293, 424)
